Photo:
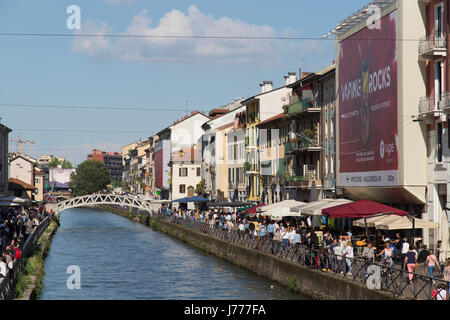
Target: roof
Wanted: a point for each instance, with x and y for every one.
(193, 113)
(27, 158)
(358, 17)
(226, 126)
(248, 100)
(4, 128)
(277, 117)
(17, 184)
(313, 75)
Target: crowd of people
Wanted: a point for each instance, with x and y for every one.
(338, 247)
(16, 224)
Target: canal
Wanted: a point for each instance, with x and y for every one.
(120, 259)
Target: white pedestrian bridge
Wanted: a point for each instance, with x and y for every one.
(130, 201)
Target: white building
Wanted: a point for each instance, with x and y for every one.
(215, 148)
(4, 139)
(185, 146)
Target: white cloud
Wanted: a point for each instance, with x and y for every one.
(176, 23)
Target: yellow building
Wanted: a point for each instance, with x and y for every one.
(261, 107)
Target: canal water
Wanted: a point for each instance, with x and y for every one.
(120, 259)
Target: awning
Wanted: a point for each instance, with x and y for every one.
(13, 199)
(191, 199)
(361, 209)
(253, 210)
(315, 208)
(402, 223)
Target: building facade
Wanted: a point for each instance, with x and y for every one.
(381, 151)
(112, 160)
(260, 108)
(237, 188)
(4, 161)
(186, 137)
(434, 112)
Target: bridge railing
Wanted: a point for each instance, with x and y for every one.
(376, 275)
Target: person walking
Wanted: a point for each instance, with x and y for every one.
(338, 252)
(349, 256)
(410, 263)
(404, 250)
(432, 264)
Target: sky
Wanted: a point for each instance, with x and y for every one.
(170, 76)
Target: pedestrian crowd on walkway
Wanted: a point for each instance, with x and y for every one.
(331, 246)
(16, 225)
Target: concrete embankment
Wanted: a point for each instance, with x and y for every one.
(315, 284)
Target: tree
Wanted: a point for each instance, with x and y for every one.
(53, 163)
(65, 164)
(200, 188)
(90, 177)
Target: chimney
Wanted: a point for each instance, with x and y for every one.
(290, 78)
(266, 86)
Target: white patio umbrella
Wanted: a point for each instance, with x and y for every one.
(281, 209)
(283, 205)
(315, 208)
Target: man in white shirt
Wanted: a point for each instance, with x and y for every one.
(405, 249)
(276, 226)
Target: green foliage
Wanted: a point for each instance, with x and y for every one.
(309, 133)
(90, 177)
(23, 283)
(65, 164)
(200, 188)
(53, 163)
(292, 284)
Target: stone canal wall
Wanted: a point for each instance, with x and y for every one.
(317, 285)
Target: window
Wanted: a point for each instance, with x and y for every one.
(439, 142)
(182, 188)
(183, 172)
(198, 172)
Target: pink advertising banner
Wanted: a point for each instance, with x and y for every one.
(368, 133)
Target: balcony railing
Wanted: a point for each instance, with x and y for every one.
(303, 145)
(444, 104)
(433, 45)
(303, 105)
(251, 167)
(329, 183)
(426, 105)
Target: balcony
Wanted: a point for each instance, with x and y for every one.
(434, 45)
(428, 105)
(444, 104)
(329, 184)
(302, 146)
(299, 106)
(251, 168)
(304, 178)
